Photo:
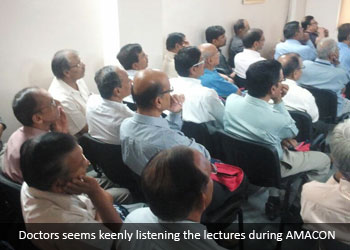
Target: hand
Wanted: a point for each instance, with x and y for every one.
(176, 102)
(289, 143)
(322, 32)
(61, 124)
(284, 90)
(82, 185)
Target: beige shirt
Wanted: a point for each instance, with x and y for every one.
(73, 102)
(326, 203)
(42, 207)
(168, 66)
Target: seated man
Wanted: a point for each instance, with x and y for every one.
(310, 27)
(202, 104)
(344, 46)
(240, 28)
(69, 88)
(297, 98)
(174, 43)
(216, 36)
(166, 194)
(39, 113)
(211, 78)
(253, 118)
(253, 41)
(132, 58)
(326, 205)
(54, 188)
(325, 73)
(105, 112)
(147, 133)
(294, 39)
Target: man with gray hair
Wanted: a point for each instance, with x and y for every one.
(326, 203)
(325, 73)
(69, 88)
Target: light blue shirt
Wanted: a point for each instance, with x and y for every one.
(307, 52)
(212, 79)
(344, 56)
(143, 136)
(324, 75)
(257, 120)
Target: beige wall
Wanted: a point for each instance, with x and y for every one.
(32, 31)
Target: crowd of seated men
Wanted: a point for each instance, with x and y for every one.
(197, 84)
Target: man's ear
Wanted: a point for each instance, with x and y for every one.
(66, 73)
(36, 118)
(116, 91)
(158, 103)
(272, 90)
(135, 66)
(215, 42)
(178, 47)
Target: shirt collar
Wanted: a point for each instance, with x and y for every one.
(343, 45)
(290, 82)
(322, 61)
(257, 102)
(191, 80)
(293, 41)
(251, 52)
(151, 120)
(65, 86)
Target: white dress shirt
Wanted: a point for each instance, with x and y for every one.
(168, 66)
(201, 103)
(104, 118)
(244, 59)
(329, 205)
(298, 98)
(73, 102)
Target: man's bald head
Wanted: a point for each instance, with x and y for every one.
(291, 62)
(148, 84)
(207, 50)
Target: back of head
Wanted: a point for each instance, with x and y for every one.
(172, 184)
(261, 76)
(24, 105)
(290, 29)
(185, 59)
(60, 63)
(306, 21)
(213, 32)
(340, 148)
(290, 63)
(326, 47)
(238, 25)
(343, 32)
(42, 159)
(173, 39)
(147, 86)
(128, 55)
(252, 36)
(107, 80)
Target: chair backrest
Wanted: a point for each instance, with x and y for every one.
(203, 133)
(326, 101)
(303, 122)
(10, 201)
(108, 157)
(259, 161)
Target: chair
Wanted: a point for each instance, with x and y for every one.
(108, 157)
(131, 105)
(303, 122)
(326, 101)
(203, 134)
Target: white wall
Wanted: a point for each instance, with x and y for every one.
(326, 12)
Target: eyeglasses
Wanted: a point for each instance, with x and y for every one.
(52, 104)
(78, 65)
(197, 64)
(167, 91)
(214, 169)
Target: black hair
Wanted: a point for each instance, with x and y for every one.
(238, 25)
(290, 29)
(252, 36)
(343, 32)
(145, 99)
(291, 65)
(25, 105)
(107, 80)
(306, 21)
(60, 63)
(213, 32)
(129, 54)
(173, 39)
(42, 159)
(185, 59)
(172, 184)
(261, 76)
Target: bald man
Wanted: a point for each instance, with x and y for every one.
(297, 98)
(147, 133)
(105, 112)
(211, 78)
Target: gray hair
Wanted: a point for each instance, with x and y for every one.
(340, 148)
(326, 47)
(60, 63)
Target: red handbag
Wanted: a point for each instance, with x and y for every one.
(228, 175)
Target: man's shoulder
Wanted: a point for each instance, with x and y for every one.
(141, 215)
